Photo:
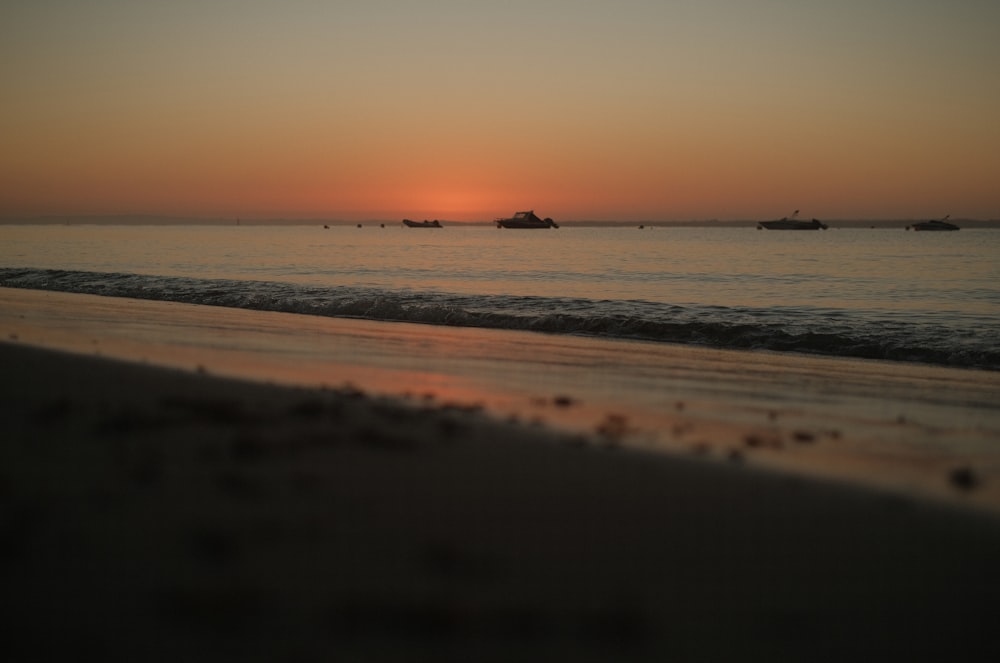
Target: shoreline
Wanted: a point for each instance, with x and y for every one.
(160, 514)
(916, 430)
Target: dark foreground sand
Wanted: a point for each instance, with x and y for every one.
(154, 515)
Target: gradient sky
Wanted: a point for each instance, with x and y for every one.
(464, 110)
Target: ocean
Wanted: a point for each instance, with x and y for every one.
(884, 294)
(861, 354)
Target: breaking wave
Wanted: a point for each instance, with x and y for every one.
(813, 330)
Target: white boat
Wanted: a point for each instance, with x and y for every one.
(526, 220)
(792, 223)
(934, 224)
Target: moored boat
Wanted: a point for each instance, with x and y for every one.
(934, 224)
(792, 223)
(526, 220)
(422, 224)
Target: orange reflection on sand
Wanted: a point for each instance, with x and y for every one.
(891, 425)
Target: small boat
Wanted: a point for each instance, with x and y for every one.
(934, 224)
(422, 224)
(526, 220)
(791, 223)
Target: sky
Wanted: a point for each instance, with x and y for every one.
(465, 110)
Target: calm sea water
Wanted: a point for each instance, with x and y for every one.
(886, 294)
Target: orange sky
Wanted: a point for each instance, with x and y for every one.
(461, 110)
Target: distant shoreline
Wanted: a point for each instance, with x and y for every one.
(153, 220)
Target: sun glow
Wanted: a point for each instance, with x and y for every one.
(340, 113)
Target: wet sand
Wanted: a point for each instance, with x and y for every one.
(906, 428)
(161, 515)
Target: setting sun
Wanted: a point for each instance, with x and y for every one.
(613, 111)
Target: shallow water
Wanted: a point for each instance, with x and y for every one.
(898, 426)
(878, 294)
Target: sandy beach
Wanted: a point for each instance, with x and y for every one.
(162, 515)
(905, 428)
(473, 332)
